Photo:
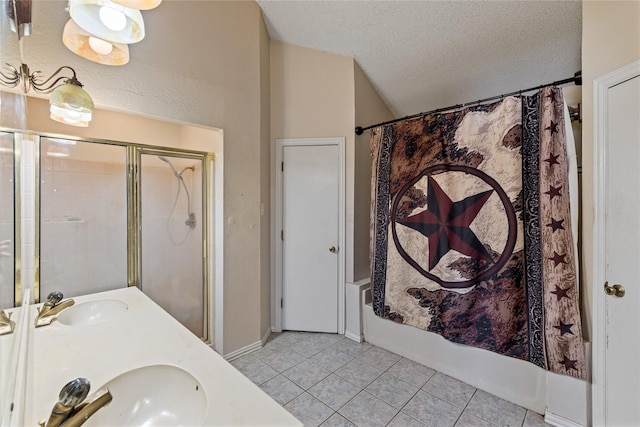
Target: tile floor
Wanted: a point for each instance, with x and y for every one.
(329, 380)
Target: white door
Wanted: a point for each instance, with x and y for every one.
(310, 209)
(617, 360)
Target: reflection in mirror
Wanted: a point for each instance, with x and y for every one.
(14, 354)
(83, 205)
(7, 265)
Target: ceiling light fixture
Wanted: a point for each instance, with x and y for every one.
(93, 48)
(138, 4)
(107, 20)
(100, 30)
(69, 103)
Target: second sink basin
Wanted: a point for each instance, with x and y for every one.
(93, 312)
(155, 395)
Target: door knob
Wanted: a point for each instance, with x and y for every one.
(617, 290)
(332, 249)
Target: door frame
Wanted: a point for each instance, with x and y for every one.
(601, 87)
(276, 284)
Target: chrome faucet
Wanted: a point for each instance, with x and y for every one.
(74, 407)
(6, 324)
(52, 308)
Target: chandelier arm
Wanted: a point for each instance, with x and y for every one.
(10, 80)
(42, 87)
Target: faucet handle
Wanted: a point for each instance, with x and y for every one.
(6, 324)
(74, 407)
(54, 297)
(74, 392)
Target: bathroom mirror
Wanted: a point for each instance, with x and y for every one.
(7, 213)
(10, 318)
(45, 52)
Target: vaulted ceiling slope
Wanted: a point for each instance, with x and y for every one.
(422, 55)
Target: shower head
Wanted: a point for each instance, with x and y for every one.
(164, 159)
(191, 168)
(191, 217)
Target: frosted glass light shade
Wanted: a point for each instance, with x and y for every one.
(93, 16)
(80, 42)
(138, 4)
(71, 105)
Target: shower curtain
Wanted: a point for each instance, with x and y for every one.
(471, 229)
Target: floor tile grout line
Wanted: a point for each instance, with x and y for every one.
(381, 374)
(465, 408)
(361, 389)
(398, 410)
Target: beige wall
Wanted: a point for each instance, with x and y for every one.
(312, 96)
(370, 109)
(610, 40)
(265, 187)
(209, 76)
(124, 127)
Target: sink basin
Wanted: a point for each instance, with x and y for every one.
(156, 395)
(93, 312)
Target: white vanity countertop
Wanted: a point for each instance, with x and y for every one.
(144, 335)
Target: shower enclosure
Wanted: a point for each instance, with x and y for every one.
(115, 214)
(171, 212)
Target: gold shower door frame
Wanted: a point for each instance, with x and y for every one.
(134, 215)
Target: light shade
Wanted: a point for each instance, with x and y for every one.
(107, 20)
(138, 4)
(71, 105)
(104, 52)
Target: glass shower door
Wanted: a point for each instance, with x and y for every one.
(172, 232)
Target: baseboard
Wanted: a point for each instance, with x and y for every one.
(558, 421)
(243, 351)
(353, 336)
(266, 336)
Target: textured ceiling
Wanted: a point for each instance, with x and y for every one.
(422, 55)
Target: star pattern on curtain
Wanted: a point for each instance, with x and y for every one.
(561, 292)
(556, 224)
(446, 224)
(564, 328)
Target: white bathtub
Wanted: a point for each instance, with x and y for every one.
(562, 399)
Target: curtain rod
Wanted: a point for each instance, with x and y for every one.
(577, 79)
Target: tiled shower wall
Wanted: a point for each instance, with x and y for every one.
(83, 226)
